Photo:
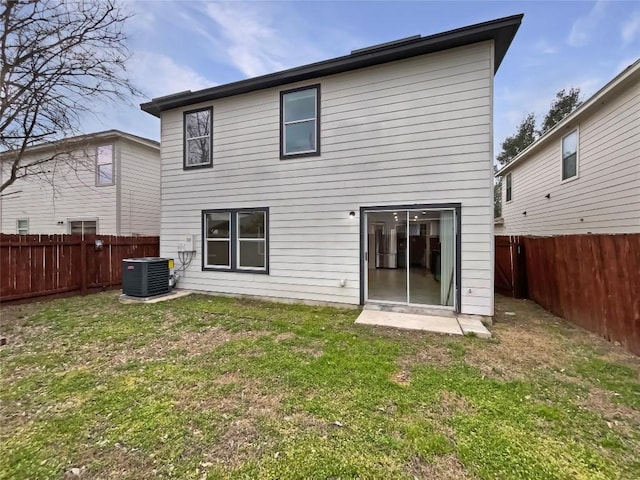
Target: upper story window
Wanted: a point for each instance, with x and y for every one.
(300, 122)
(508, 186)
(198, 145)
(22, 226)
(570, 155)
(104, 166)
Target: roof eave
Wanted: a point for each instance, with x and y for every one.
(501, 31)
(86, 139)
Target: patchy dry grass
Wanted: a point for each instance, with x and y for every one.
(204, 387)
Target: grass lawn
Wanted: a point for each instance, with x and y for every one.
(203, 387)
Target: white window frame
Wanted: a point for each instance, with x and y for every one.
(508, 187)
(284, 124)
(18, 229)
(207, 240)
(263, 240)
(97, 165)
(573, 177)
(83, 220)
(185, 152)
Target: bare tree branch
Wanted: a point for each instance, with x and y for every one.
(58, 58)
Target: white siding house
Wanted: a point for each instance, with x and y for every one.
(308, 164)
(111, 186)
(599, 189)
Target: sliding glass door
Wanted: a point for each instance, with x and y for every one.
(411, 256)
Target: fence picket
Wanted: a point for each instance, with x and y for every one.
(591, 280)
(39, 265)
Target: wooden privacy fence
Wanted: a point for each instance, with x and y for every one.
(510, 269)
(590, 280)
(40, 265)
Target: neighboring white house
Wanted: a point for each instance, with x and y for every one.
(365, 178)
(110, 185)
(582, 176)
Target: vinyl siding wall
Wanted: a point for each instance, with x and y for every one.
(75, 197)
(410, 132)
(140, 189)
(605, 198)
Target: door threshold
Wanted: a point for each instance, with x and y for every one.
(414, 309)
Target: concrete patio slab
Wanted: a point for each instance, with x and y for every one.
(474, 326)
(427, 323)
(155, 299)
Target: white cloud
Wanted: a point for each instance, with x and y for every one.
(585, 26)
(631, 28)
(259, 38)
(158, 74)
(253, 45)
(143, 18)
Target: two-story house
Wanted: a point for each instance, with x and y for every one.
(106, 183)
(362, 179)
(583, 175)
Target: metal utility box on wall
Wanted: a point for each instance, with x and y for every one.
(146, 277)
(188, 244)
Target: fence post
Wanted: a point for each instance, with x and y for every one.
(83, 267)
(66, 270)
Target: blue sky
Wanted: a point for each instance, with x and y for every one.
(180, 45)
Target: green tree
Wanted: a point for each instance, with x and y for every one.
(564, 103)
(511, 147)
(497, 198)
(516, 143)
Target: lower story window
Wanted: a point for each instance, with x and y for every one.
(236, 240)
(83, 227)
(23, 226)
(218, 239)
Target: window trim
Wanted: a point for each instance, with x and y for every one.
(250, 239)
(508, 187)
(577, 175)
(316, 152)
(209, 164)
(113, 165)
(206, 239)
(234, 240)
(95, 220)
(18, 226)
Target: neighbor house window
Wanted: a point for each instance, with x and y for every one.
(235, 239)
(300, 122)
(198, 127)
(508, 186)
(22, 226)
(83, 227)
(570, 155)
(104, 165)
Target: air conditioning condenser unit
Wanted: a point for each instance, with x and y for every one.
(147, 276)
